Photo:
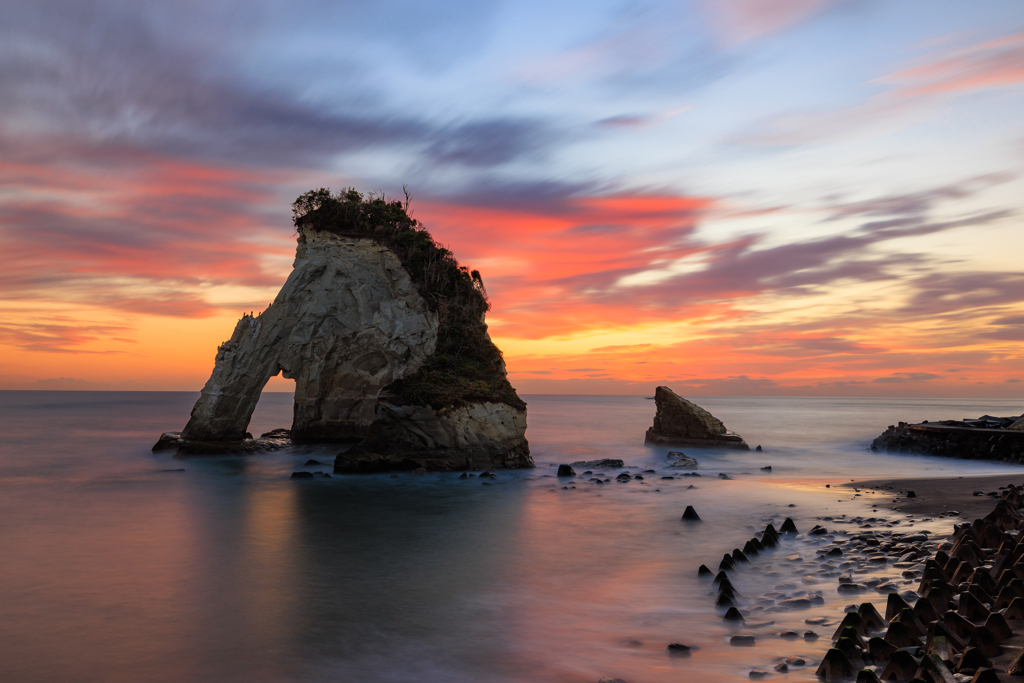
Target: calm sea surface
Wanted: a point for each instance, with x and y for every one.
(114, 567)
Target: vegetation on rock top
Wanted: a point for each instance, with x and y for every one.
(466, 367)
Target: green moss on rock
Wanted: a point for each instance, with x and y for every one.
(466, 367)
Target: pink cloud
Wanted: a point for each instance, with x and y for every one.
(995, 63)
(740, 21)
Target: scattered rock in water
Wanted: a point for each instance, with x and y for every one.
(758, 449)
(733, 614)
(311, 462)
(691, 515)
(682, 461)
(911, 494)
(565, 471)
(180, 469)
(796, 603)
(789, 635)
(612, 680)
(767, 468)
(603, 462)
(623, 477)
(464, 475)
(302, 475)
(810, 635)
(678, 650)
(723, 475)
(743, 641)
(757, 674)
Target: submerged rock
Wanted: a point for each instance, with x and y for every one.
(681, 460)
(603, 462)
(680, 422)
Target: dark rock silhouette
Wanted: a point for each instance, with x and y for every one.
(680, 422)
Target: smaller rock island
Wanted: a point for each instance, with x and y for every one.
(679, 422)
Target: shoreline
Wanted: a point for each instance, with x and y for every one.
(937, 495)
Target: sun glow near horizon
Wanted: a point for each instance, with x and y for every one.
(692, 195)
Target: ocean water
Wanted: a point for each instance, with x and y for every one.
(117, 564)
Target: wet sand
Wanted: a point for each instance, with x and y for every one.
(936, 495)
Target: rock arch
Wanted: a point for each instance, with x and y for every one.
(347, 323)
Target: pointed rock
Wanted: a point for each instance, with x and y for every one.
(788, 527)
(734, 615)
(680, 422)
(690, 515)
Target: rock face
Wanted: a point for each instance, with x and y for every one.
(383, 332)
(681, 423)
(347, 323)
(478, 436)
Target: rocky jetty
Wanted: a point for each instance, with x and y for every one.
(959, 620)
(986, 438)
(384, 334)
(679, 422)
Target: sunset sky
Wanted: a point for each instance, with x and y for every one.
(732, 197)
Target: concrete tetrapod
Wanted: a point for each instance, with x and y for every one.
(835, 667)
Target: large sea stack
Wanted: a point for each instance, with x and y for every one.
(679, 422)
(384, 334)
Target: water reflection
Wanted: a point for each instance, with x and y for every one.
(114, 570)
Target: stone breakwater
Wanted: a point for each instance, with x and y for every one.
(969, 439)
(957, 625)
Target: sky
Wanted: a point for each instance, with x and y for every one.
(730, 197)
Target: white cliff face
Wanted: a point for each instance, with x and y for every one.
(475, 436)
(347, 323)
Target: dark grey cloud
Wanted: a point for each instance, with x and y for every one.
(490, 142)
(917, 203)
(903, 377)
(138, 75)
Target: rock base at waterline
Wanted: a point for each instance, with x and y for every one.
(954, 440)
(479, 436)
(173, 442)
